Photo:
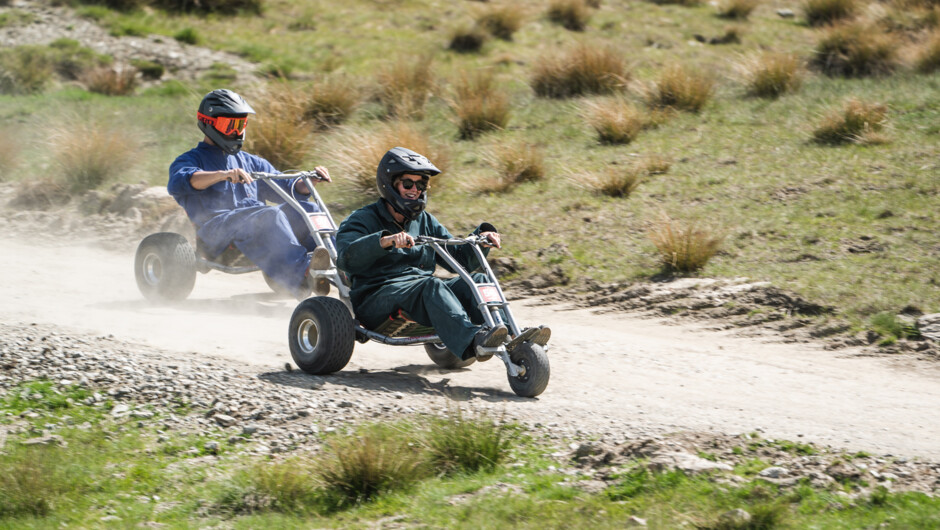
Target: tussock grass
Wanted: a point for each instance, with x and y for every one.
(856, 50)
(357, 469)
(583, 70)
(31, 482)
(25, 69)
(928, 59)
(288, 486)
(468, 38)
(615, 120)
(479, 104)
(572, 15)
(736, 9)
(684, 246)
(110, 81)
(888, 325)
(188, 36)
(358, 152)
(10, 155)
(771, 74)
(856, 122)
(405, 87)
(823, 12)
(615, 181)
(222, 7)
(278, 131)
(687, 3)
(89, 154)
(467, 444)
(681, 88)
(331, 101)
(501, 21)
(515, 163)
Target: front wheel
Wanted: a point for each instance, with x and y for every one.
(321, 335)
(442, 357)
(532, 358)
(165, 267)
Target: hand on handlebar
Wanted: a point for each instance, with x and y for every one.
(399, 240)
(492, 239)
(238, 176)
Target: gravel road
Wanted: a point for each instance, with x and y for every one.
(615, 376)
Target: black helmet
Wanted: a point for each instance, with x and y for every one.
(226, 104)
(398, 161)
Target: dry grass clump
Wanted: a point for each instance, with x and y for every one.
(467, 444)
(684, 246)
(357, 469)
(515, 163)
(857, 122)
(468, 38)
(223, 7)
(823, 12)
(10, 150)
(25, 70)
(856, 50)
(278, 131)
(89, 154)
(736, 9)
(405, 87)
(771, 74)
(583, 70)
(615, 120)
(358, 154)
(572, 15)
(331, 101)
(111, 81)
(502, 21)
(615, 181)
(680, 88)
(479, 104)
(687, 3)
(928, 60)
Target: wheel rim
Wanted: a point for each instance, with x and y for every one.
(524, 375)
(308, 335)
(152, 269)
(439, 346)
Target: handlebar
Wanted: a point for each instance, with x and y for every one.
(469, 240)
(312, 175)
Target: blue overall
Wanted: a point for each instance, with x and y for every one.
(386, 280)
(275, 238)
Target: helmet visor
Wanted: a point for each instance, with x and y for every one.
(229, 126)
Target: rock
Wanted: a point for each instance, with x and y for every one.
(635, 521)
(47, 440)
(774, 472)
(929, 326)
(685, 462)
(224, 420)
(212, 448)
(785, 13)
(736, 518)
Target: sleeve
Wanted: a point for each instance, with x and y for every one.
(357, 244)
(181, 170)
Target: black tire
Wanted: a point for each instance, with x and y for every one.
(532, 357)
(165, 267)
(321, 335)
(444, 358)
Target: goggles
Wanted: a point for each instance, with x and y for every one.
(224, 124)
(408, 184)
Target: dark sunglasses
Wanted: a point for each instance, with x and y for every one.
(408, 184)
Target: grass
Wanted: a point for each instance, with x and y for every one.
(479, 104)
(405, 86)
(515, 164)
(681, 88)
(616, 120)
(111, 82)
(856, 50)
(580, 71)
(90, 154)
(744, 162)
(278, 131)
(826, 12)
(928, 59)
(857, 121)
(736, 9)
(771, 75)
(331, 101)
(501, 21)
(684, 246)
(572, 15)
(460, 470)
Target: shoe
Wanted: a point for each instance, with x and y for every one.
(320, 259)
(489, 339)
(526, 335)
(543, 336)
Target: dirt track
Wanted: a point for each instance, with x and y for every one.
(611, 373)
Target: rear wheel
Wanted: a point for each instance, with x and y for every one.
(321, 335)
(165, 267)
(532, 358)
(444, 358)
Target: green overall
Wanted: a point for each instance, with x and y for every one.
(385, 280)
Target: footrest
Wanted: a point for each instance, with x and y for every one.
(400, 325)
